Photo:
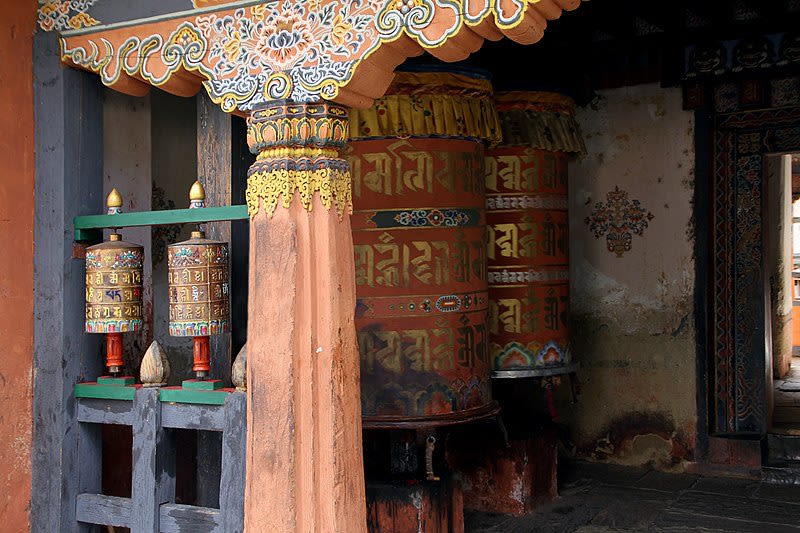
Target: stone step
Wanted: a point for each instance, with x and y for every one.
(783, 447)
(786, 473)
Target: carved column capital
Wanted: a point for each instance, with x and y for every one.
(297, 151)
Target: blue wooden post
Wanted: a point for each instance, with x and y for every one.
(153, 463)
(231, 486)
(69, 169)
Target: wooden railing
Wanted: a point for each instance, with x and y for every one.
(151, 507)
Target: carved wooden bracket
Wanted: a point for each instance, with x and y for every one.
(302, 50)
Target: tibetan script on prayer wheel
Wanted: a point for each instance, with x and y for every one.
(419, 234)
(199, 292)
(527, 249)
(114, 286)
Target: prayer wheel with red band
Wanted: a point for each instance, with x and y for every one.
(419, 232)
(528, 264)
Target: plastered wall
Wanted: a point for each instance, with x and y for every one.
(16, 275)
(127, 167)
(632, 279)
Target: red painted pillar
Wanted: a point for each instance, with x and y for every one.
(16, 281)
(304, 458)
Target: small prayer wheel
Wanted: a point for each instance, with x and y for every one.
(114, 289)
(199, 299)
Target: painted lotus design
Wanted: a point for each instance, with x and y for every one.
(286, 43)
(270, 44)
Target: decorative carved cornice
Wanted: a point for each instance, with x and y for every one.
(303, 50)
(298, 152)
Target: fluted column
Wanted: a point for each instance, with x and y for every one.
(304, 458)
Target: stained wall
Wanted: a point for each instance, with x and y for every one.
(632, 306)
(16, 276)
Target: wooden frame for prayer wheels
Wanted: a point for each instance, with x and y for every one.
(528, 245)
(419, 234)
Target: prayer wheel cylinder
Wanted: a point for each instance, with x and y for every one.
(199, 292)
(419, 232)
(114, 293)
(114, 286)
(527, 219)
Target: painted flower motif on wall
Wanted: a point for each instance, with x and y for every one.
(341, 28)
(618, 219)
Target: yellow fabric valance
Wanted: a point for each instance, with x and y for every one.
(431, 104)
(539, 120)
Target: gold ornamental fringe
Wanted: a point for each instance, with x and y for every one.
(333, 186)
(430, 105)
(539, 120)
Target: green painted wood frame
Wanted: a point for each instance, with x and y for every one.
(88, 227)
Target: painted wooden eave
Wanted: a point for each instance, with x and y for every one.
(342, 51)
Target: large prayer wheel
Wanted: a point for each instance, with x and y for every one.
(419, 231)
(526, 187)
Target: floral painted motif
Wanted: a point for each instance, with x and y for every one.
(65, 15)
(432, 217)
(128, 259)
(259, 54)
(618, 219)
(303, 50)
(185, 257)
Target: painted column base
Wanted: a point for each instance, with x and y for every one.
(421, 507)
(508, 480)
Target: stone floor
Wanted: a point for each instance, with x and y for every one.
(604, 498)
